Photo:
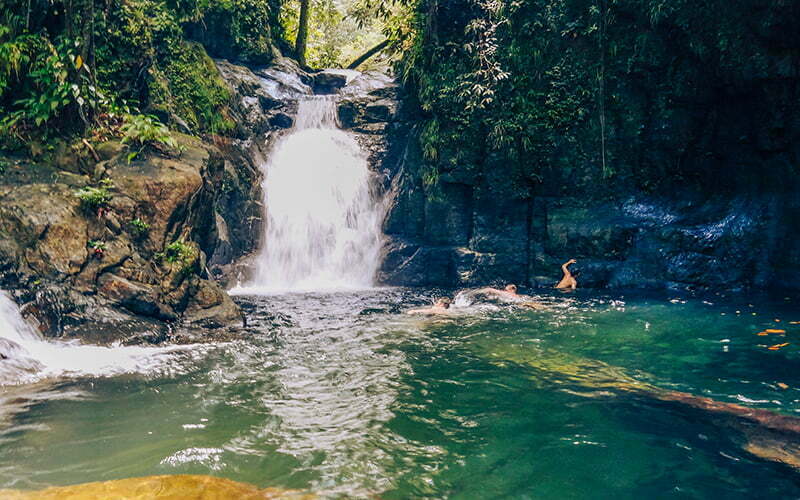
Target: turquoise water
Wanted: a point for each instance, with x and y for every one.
(343, 395)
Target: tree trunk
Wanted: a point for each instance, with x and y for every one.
(366, 55)
(302, 32)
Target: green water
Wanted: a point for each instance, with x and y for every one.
(342, 395)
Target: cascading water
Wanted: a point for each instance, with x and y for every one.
(26, 357)
(322, 211)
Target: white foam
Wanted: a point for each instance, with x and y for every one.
(322, 213)
(29, 357)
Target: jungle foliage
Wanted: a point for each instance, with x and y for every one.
(339, 31)
(520, 91)
(67, 66)
(575, 91)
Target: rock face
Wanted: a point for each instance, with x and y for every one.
(468, 232)
(465, 230)
(328, 82)
(120, 270)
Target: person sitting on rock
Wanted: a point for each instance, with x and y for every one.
(568, 281)
(441, 306)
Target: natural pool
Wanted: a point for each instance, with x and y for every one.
(340, 394)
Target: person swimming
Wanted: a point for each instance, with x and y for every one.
(441, 306)
(509, 293)
(568, 281)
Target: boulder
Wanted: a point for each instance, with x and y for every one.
(328, 82)
(89, 272)
(281, 120)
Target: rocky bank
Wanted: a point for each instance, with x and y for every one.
(127, 270)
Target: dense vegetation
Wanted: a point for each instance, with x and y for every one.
(572, 91)
(76, 65)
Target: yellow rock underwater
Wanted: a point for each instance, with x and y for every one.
(172, 487)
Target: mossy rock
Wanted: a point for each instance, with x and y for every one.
(188, 88)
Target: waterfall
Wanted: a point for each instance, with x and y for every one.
(26, 357)
(322, 212)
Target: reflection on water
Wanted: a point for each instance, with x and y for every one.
(343, 395)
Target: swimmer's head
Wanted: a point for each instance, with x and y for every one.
(511, 288)
(444, 302)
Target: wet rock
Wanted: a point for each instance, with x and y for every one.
(211, 307)
(260, 93)
(373, 129)
(372, 84)
(348, 112)
(326, 82)
(380, 111)
(223, 253)
(368, 107)
(267, 103)
(644, 242)
(136, 297)
(363, 111)
(281, 120)
(411, 264)
(15, 363)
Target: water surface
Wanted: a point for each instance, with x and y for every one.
(340, 393)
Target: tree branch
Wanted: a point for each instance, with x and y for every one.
(366, 55)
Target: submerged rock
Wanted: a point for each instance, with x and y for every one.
(185, 487)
